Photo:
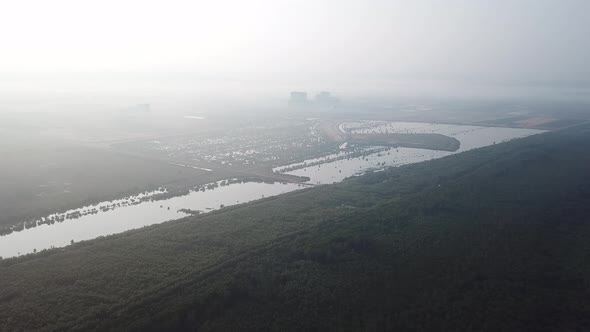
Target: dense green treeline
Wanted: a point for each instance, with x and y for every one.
(492, 239)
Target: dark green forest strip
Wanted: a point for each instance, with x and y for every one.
(492, 239)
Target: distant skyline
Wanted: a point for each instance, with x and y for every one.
(295, 44)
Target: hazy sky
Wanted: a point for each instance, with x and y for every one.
(498, 41)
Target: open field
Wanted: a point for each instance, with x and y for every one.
(43, 173)
(247, 144)
(479, 112)
(51, 164)
(370, 146)
(42, 180)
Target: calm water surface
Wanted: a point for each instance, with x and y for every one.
(147, 213)
(135, 216)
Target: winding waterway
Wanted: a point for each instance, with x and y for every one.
(471, 137)
(332, 168)
(146, 213)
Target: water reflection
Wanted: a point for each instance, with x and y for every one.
(135, 216)
(471, 137)
(332, 168)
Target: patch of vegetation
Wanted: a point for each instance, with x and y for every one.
(420, 141)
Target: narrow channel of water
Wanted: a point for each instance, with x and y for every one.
(118, 218)
(471, 137)
(125, 218)
(336, 171)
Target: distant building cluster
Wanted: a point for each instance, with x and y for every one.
(298, 98)
(323, 98)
